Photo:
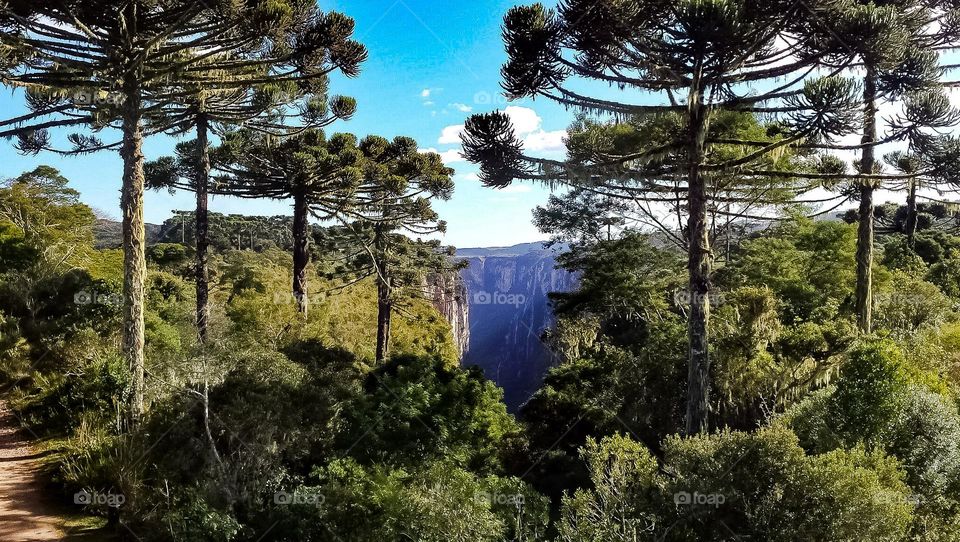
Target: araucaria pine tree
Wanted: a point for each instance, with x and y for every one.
(101, 64)
(699, 57)
(262, 108)
(399, 184)
(894, 48)
(323, 177)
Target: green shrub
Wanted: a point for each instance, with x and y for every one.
(750, 486)
(946, 275)
(898, 256)
(415, 409)
(434, 502)
(187, 516)
(59, 402)
(868, 393)
(923, 434)
(168, 256)
(908, 304)
(621, 505)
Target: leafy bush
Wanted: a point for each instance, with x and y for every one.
(621, 505)
(898, 256)
(169, 256)
(946, 275)
(416, 409)
(868, 393)
(808, 265)
(908, 304)
(59, 403)
(736, 485)
(435, 502)
(16, 254)
(923, 434)
(189, 517)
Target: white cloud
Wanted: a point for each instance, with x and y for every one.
(463, 108)
(452, 156)
(545, 141)
(525, 120)
(428, 93)
(527, 124)
(451, 135)
(428, 103)
(471, 176)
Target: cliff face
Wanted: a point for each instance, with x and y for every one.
(449, 295)
(508, 310)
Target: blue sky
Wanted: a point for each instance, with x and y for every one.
(431, 64)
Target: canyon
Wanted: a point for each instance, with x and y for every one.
(505, 293)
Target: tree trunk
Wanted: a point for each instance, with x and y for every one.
(202, 219)
(699, 267)
(384, 313)
(134, 252)
(301, 251)
(865, 230)
(384, 301)
(728, 242)
(912, 217)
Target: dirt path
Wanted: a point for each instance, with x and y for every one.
(25, 515)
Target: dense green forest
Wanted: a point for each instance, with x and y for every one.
(756, 350)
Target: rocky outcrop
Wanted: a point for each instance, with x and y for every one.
(449, 296)
(509, 310)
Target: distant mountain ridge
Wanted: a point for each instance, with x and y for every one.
(108, 234)
(515, 250)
